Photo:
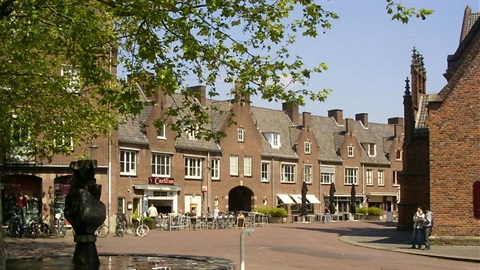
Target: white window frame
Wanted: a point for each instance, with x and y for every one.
(327, 174)
(74, 79)
(288, 173)
(351, 176)
(381, 178)
(161, 165)
(351, 151)
(192, 133)
(273, 139)
(162, 132)
(193, 167)
(395, 182)
(128, 162)
(265, 173)
(372, 150)
(247, 166)
(234, 165)
(307, 147)
(215, 169)
(369, 177)
(398, 154)
(240, 134)
(308, 173)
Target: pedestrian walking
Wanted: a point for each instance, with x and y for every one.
(417, 235)
(152, 212)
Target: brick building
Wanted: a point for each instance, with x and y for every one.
(441, 136)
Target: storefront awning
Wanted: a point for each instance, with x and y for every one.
(285, 199)
(312, 198)
(158, 187)
(296, 197)
(392, 194)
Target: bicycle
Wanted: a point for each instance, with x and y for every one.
(61, 229)
(36, 228)
(101, 231)
(15, 227)
(121, 224)
(142, 229)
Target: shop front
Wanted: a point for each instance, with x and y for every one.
(162, 193)
(22, 197)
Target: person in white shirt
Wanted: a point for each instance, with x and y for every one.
(152, 212)
(417, 235)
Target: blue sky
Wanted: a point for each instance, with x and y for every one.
(369, 55)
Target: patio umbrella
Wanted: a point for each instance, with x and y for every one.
(331, 205)
(304, 199)
(353, 206)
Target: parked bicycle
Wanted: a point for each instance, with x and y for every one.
(102, 231)
(60, 227)
(142, 229)
(36, 227)
(15, 227)
(121, 224)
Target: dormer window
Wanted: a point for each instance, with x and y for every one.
(161, 133)
(274, 139)
(351, 151)
(372, 150)
(192, 133)
(73, 85)
(240, 135)
(307, 147)
(398, 154)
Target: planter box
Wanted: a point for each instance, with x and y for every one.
(277, 219)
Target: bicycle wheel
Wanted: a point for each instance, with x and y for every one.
(62, 231)
(31, 230)
(119, 230)
(143, 230)
(44, 230)
(102, 231)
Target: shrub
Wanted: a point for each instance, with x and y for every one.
(362, 210)
(375, 211)
(263, 210)
(145, 219)
(278, 212)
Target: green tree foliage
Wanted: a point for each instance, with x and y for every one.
(56, 83)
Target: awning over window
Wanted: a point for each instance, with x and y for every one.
(392, 194)
(285, 199)
(312, 198)
(158, 187)
(296, 197)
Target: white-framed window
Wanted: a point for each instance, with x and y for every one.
(327, 174)
(288, 173)
(247, 166)
(381, 178)
(273, 139)
(351, 151)
(73, 78)
(192, 133)
(395, 178)
(234, 165)
(193, 167)
(161, 165)
(265, 171)
(65, 141)
(351, 176)
(128, 162)
(240, 134)
(308, 173)
(215, 169)
(161, 132)
(369, 177)
(372, 150)
(307, 147)
(398, 154)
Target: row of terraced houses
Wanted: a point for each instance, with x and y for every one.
(269, 153)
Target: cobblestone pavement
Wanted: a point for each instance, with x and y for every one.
(340, 245)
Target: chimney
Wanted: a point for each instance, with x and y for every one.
(349, 125)
(337, 115)
(307, 120)
(241, 98)
(362, 117)
(395, 121)
(292, 112)
(199, 91)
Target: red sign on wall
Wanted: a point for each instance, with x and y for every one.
(160, 181)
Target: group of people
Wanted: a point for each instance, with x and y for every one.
(422, 227)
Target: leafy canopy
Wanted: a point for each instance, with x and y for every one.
(58, 79)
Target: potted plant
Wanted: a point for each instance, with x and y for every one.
(374, 213)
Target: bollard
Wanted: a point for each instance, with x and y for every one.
(242, 246)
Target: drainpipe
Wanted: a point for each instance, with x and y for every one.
(363, 183)
(272, 184)
(109, 182)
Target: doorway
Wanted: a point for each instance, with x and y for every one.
(240, 199)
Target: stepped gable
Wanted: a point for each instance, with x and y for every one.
(269, 120)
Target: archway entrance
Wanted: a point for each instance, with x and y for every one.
(240, 199)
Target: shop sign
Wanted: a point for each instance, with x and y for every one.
(160, 181)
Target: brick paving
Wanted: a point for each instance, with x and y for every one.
(339, 245)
